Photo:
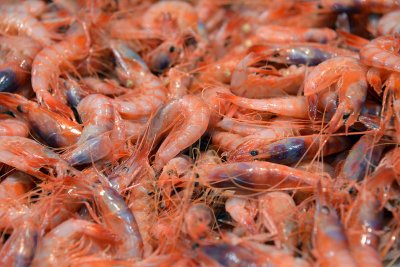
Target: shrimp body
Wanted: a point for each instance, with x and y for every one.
(389, 23)
(258, 175)
(13, 127)
(243, 211)
(294, 149)
(119, 218)
(284, 34)
(292, 106)
(18, 18)
(330, 241)
(350, 78)
(49, 62)
(381, 53)
(195, 116)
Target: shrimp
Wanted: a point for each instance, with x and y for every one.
(284, 34)
(19, 18)
(184, 14)
(193, 113)
(198, 221)
(218, 107)
(13, 127)
(120, 220)
(51, 248)
(178, 83)
(102, 133)
(106, 87)
(28, 156)
(364, 220)
(20, 248)
(278, 213)
(389, 23)
(52, 128)
(258, 175)
(350, 78)
(330, 241)
(291, 106)
(294, 149)
(243, 211)
(49, 62)
(151, 94)
(371, 6)
(16, 185)
(363, 156)
(226, 141)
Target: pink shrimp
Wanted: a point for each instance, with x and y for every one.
(103, 131)
(389, 23)
(151, 93)
(106, 87)
(284, 34)
(194, 114)
(15, 185)
(258, 175)
(52, 128)
(49, 62)
(19, 18)
(226, 141)
(13, 127)
(330, 241)
(243, 211)
(198, 221)
(291, 106)
(51, 248)
(120, 220)
(350, 78)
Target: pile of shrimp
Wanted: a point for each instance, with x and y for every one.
(200, 133)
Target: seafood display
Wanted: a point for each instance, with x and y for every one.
(200, 133)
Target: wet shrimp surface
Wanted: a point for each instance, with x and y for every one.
(199, 133)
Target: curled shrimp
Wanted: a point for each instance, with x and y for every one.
(350, 78)
(49, 62)
(193, 113)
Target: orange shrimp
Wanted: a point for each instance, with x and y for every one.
(226, 141)
(13, 127)
(16, 185)
(285, 34)
(291, 106)
(51, 248)
(350, 78)
(258, 175)
(194, 114)
(19, 18)
(52, 128)
(243, 211)
(330, 241)
(49, 62)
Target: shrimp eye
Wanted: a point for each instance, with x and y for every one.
(196, 175)
(346, 117)
(325, 210)
(195, 245)
(254, 153)
(172, 49)
(276, 54)
(19, 108)
(319, 6)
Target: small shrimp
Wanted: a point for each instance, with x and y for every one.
(364, 220)
(198, 221)
(20, 248)
(381, 53)
(178, 83)
(278, 213)
(52, 128)
(217, 106)
(291, 106)
(363, 156)
(226, 141)
(28, 156)
(151, 93)
(19, 18)
(350, 6)
(51, 248)
(294, 149)
(13, 127)
(120, 220)
(194, 115)
(49, 62)
(330, 241)
(16, 185)
(184, 14)
(389, 23)
(96, 141)
(106, 87)
(284, 34)
(309, 54)
(350, 78)
(258, 175)
(243, 211)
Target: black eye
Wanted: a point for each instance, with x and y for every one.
(19, 108)
(172, 49)
(346, 116)
(254, 152)
(325, 210)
